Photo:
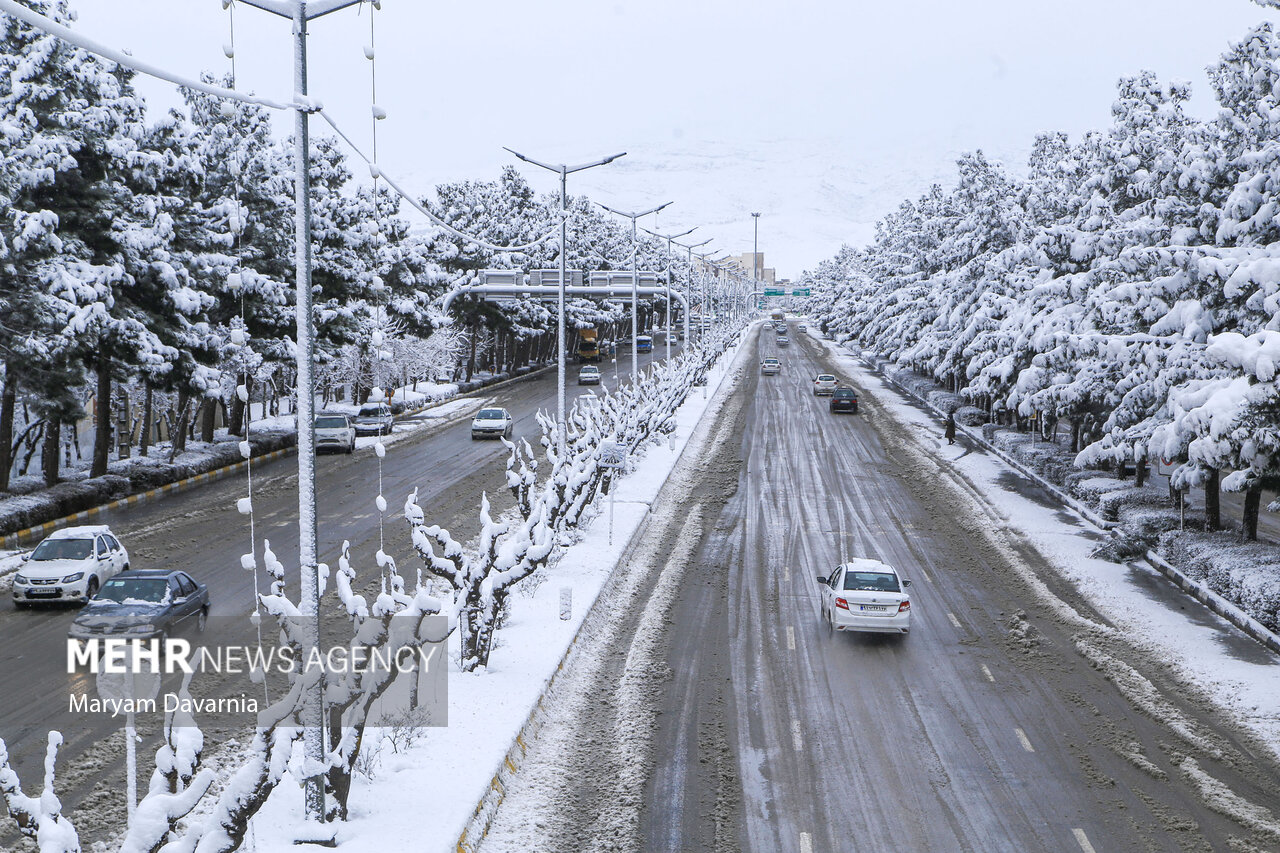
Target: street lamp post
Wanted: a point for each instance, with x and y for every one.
(635, 280)
(755, 250)
(300, 13)
(669, 238)
(563, 171)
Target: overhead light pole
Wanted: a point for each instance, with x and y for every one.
(300, 12)
(669, 238)
(635, 280)
(755, 250)
(563, 171)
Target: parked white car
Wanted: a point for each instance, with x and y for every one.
(492, 423)
(589, 375)
(334, 432)
(71, 564)
(866, 595)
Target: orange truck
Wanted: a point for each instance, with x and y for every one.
(588, 345)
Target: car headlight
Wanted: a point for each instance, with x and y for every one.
(142, 628)
(72, 578)
(20, 579)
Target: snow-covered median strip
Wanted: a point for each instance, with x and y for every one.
(430, 792)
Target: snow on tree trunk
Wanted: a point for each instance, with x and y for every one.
(8, 400)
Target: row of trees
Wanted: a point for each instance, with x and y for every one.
(158, 251)
(402, 616)
(1130, 280)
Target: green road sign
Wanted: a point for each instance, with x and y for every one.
(778, 292)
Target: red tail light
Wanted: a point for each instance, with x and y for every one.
(904, 606)
(842, 604)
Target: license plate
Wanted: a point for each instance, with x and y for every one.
(44, 593)
(871, 608)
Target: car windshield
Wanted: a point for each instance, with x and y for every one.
(330, 423)
(771, 361)
(872, 581)
(491, 415)
(372, 411)
(122, 590)
(587, 370)
(825, 378)
(843, 392)
(63, 549)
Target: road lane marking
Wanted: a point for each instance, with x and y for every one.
(806, 844)
(786, 574)
(988, 674)
(1022, 738)
(1081, 839)
(797, 740)
(954, 620)
(791, 638)
(925, 575)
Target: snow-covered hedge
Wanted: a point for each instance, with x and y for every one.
(1245, 573)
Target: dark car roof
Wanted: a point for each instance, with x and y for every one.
(845, 392)
(152, 573)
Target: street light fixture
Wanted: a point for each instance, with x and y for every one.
(755, 250)
(301, 12)
(635, 280)
(563, 171)
(669, 238)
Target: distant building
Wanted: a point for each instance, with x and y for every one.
(755, 261)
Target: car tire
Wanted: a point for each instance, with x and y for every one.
(125, 568)
(91, 589)
(202, 619)
(507, 434)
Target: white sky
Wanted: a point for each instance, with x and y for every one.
(821, 114)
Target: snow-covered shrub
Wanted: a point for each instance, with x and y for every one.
(1245, 573)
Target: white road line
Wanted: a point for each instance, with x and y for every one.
(988, 674)
(954, 620)
(786, 574)
(1081, 839)
(1022, 738)
(806, 844)
(791, 638)
(797, 740)
(925, 575)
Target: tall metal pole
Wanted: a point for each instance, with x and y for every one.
(669, 238)
(563, 171)
(313, 704)
(561, 428)
(635, 281)
(755, 250)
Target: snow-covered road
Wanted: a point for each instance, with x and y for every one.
(1018, 715)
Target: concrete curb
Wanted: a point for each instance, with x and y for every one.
(39, 531)
(478, 824)
(1196, 589)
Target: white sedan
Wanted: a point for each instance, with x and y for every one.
(866, 595)
(825, 384)
(492, 423)
(70, 565)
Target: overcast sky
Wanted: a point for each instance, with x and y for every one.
(820, 114)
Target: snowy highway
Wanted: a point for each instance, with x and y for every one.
(199, 531)
(714, 710)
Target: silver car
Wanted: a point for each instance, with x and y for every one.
(492, 423)
(375, 419)
(825, 385)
